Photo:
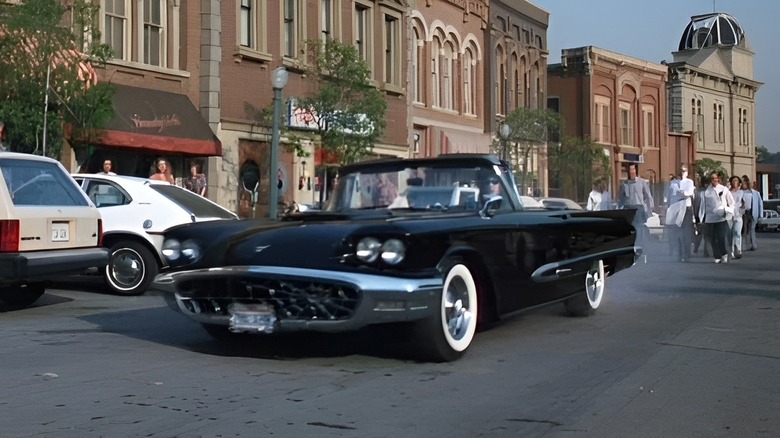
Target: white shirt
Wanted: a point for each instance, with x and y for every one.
(680, 189)
(713, 201)
(599, 200)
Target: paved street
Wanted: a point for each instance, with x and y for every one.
(676, 350)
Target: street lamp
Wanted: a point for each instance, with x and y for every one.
(278, 81)
(504, 131)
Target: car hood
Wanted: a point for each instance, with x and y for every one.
(312, 240)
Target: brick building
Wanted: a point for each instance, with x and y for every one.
(193, 77)
(620, 103)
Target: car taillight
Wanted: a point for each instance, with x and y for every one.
(9, 235)
(100, 232)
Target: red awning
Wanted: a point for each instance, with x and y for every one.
(158, 122)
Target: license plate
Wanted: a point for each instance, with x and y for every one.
(252, 318)
(60, 232)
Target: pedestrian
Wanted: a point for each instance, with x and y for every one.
(599, 198)
(735, 222)
(107, 168)
(754, 209)
(635, 194)
(3, 147)
(163, 172)
(196, 182)
(715, 203)
(673, 182)
(700, 237)
(679, 215)
(384, 192)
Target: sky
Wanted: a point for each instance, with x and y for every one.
(651, 29)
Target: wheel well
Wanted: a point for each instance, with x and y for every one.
(110, 240)
(472, 259)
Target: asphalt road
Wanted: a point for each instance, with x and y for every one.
(676, 350)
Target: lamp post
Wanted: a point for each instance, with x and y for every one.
(278, 81)
(504, 131)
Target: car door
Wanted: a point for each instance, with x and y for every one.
(113, 202)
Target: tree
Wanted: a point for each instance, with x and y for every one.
(46, 74)
(704, 169)
(527, 130)
(348, 110)
(576, 163)
(762, 154)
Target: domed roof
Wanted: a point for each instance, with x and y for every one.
(711, 29)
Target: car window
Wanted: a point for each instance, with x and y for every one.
(446, 188)
(33, 182)
(193, 203)
(106, 194)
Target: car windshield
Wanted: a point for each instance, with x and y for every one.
(34, 182)
(444, 188)
(193, 203)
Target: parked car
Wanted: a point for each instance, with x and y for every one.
(48, 227)
(449, 256)
(135, 213)
(769, 221)
(771, 204)
(560, 204)
(529, 202)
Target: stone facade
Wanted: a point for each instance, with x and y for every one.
(712, 94)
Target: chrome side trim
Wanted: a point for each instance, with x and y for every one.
(561, 269)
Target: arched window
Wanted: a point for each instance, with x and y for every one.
(436, 51)
(447, 79)
(416, 79)
(513, 92)
(500, 81)
(469, 82)
(522, 83)
(537, 90)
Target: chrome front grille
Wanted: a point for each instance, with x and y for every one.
(301, 300)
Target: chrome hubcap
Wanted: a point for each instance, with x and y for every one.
(127, 268)
(457, 315)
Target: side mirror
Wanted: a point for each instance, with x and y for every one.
(491, 206)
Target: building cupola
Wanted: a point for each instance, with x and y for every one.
(712, 29)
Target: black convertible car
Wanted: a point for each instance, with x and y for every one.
(443, 243)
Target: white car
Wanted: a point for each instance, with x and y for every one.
(48, 227)
(135, 213)
(560, 204)
(769, 221)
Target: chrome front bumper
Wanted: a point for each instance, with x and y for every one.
(204, 296)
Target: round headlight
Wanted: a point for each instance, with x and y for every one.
(171, 249)
(190, 250)
(368, 249)
(393, 251)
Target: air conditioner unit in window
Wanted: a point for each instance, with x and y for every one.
(633, 158)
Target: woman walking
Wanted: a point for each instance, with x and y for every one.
(735, 221)
(715, 202)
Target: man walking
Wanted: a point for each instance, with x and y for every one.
(680, 200)
(635, 193)
(754, 209)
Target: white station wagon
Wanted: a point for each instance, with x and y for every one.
(135, 213)
(48, 227)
